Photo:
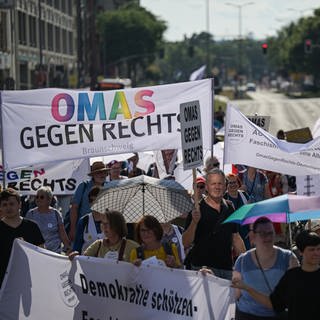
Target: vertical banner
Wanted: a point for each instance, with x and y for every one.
(191, 135)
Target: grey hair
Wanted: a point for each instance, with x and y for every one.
(47, 191)
(216, 171)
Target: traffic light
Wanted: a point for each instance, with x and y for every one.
(264, 47)
(308, 46)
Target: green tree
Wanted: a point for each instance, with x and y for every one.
(130, 38)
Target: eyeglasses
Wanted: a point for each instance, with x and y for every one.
(232, 182)
(264, 234)
(40, 197)
(145, 230)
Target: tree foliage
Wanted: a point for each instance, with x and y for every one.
(130, 34)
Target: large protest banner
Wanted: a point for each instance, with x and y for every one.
(56, 124)
(246, 143)
(62, 177)
(44, 285)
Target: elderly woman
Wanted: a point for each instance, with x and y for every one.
(149, 234)
(261, 268)
(114, 245)
(49, 221)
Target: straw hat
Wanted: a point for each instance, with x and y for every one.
(97, 166)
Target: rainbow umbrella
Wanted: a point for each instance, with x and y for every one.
(284, 209)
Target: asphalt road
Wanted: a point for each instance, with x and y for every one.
(287, 114)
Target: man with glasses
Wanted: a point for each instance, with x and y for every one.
(211, 240)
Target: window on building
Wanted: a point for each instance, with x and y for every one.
(32, 31)
(57, 4)
(50, 37)
(50, 2)
(64, 41)
(22, 28)
(69, 7)
(58, 39)
(70, 42)
(3, 31)
(43, 34)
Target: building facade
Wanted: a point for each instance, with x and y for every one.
(39, 52)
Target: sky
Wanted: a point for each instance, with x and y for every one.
(260, 18)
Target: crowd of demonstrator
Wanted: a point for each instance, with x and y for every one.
(268, 277)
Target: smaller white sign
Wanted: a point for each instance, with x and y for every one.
(191, 135)
(261, 121)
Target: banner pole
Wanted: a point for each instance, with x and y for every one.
(212, 115)
(1, 145)
(195, 193)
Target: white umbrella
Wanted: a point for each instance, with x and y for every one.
(143, 195)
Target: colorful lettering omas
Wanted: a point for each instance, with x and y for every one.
(55, 110)
(87, 111)
(148, 105)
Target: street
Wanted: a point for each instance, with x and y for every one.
(286, 114)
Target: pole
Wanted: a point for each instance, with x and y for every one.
(208, 39)
(2, 149)
(40, 36)
(212, 116)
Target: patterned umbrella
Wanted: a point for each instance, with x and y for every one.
(285, 208)
(143, 195)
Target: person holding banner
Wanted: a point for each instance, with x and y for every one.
(149, 234)
(49, 221)
(211, 240)
(13, 226)
(80, 202)
(114, 245)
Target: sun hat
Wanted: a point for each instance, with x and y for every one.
(97, 166)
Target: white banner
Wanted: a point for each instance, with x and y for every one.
(246, 143)
(63, 177)
(55, 124)
(44, 285)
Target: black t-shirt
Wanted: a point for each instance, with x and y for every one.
(298, 291)
(213, 239)
(28, 230)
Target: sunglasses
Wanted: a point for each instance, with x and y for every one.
(201, 186)
(40, 197)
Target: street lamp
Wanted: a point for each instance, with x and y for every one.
(300, 11)
(239, 7)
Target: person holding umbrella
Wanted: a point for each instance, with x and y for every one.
(298, 288)
(149, 234)
(261, 268)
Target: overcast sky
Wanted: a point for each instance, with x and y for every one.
(260, 17)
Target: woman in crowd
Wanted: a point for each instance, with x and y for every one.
(255, 183)
(89, 226)
(261, 268)
(298, 288)
(80, 202)
(149, 234)
(114, 245)
(238, 198)
(49, 221)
